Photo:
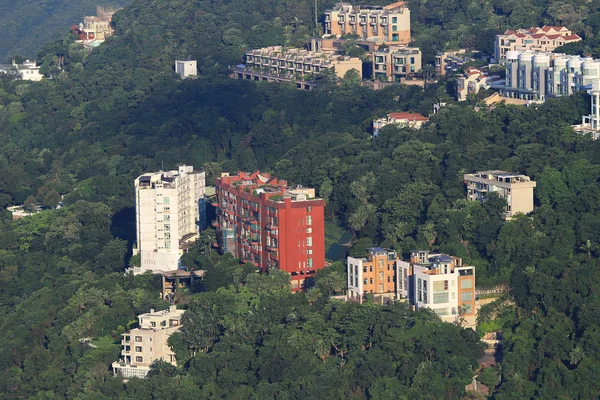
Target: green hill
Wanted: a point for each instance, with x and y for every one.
(26, 25)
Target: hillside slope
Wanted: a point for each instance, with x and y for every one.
(26, 25)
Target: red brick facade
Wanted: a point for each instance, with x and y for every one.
(262, 221)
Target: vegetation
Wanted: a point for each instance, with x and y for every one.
(110, 115)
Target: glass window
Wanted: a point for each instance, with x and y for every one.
(364, 269)
(467, 309)
(138, 338)
(138, 349)
(308, 209)
(310, 263)
(139, 359)
(439, 298)
(364, 281)
(309, 241)
(166, 200)
(381, 288)
(308, 220)
(394, 20)
(466, 284)
(466, 296)
(381, 277)
(380, 264)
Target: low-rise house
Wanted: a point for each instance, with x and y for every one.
(473, 80)
(400, 119)
(375, 274)
(544, 39)
(516, 189)
(396, 62)
(142, 346)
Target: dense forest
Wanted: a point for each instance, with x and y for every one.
(79, 139)
(26, 25)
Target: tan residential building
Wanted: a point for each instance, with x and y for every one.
(516, 189)
(439, 282)
(294, 61)
(544, 39)
(375, 275)
(186, 68)
(388, 24)
(395, 63)
(400, 119)
(146, 344)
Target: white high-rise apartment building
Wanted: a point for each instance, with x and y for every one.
(169, 212)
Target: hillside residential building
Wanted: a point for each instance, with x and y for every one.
(537, 76)
(142, 346)
(28, 71)
(591, 123)
(294, 61)
(439, 282)
(544, 39)
(262, 221)
(395, 63)
(376, 274)
(473, 80)
(95, 29)
(433, 280)
(388, 24)
(401, 120)
(186, 68)
(170, 211)
(516, 189)
(451, 61)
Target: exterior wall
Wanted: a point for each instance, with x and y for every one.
(186, 69)
(295, 61)
(390, 24)
(376, 274)
(395, 63)
(544, 39)
(142, 346)
(286, 232)
(517, 191)
(167, 213)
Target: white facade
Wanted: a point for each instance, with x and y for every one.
(168, 213)
(148, 343)
(537, 76)
(440, 283)
(591, 123)
(186, 68)
(28, 71)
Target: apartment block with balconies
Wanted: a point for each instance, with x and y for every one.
(142, 346)
(385, 24)
(170, 211)
(396, 63)
(300, 62)
(262, 221)
(516, 189)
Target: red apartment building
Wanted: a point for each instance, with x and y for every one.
(262, 221)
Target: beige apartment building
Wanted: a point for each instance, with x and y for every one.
(387, 24)
(544, 39)
(396, 62)
(294, 61)
(375, 274)
(170, 211)
(516, 189)
(146, 344)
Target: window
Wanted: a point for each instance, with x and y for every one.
(439, 298)
(308, 230)
(167, 227)
(167, 218)
(371, 281)
(364, 282)
(381, 277)
(380, 264)
(419, 290)
(166, 200)
(310, 263)
(440, 286)
(394, 20)
(308, 220)
(138, 338)
(389, 279)
(370, 268)
(412, 60)
(138, 349)
(310, 252)
(153, 324)
(466, 296)
(167, 236)
(425, 291)
(308, 209)
(381, 288)
(139, 359)
(466, 284)
(309, 241)
(365, 269)
(394, 28)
